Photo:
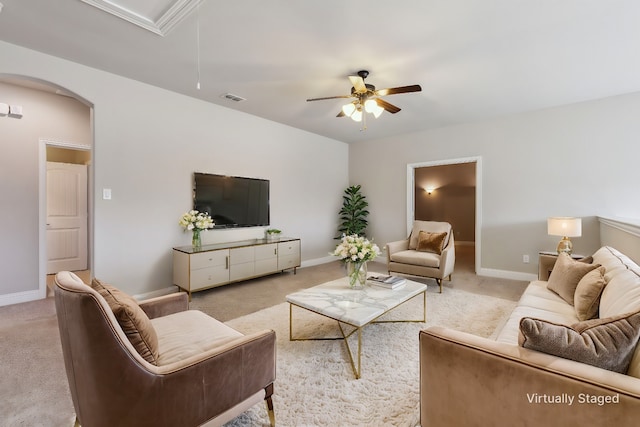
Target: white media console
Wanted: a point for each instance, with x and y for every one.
(223, 263)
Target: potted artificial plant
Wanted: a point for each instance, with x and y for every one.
(353, 215)
(272, 233)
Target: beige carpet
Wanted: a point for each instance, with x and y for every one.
(315, 384)
(34, 389)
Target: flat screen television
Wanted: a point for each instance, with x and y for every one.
(232, 201)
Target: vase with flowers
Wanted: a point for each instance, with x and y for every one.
(196, 222)
(355, 251)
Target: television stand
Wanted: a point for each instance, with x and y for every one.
(220, 264)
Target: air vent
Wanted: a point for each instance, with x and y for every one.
(232, 97)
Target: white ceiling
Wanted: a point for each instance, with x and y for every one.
(474, 59)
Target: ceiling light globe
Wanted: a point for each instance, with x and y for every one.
(348, 109)
(370, 105)
(357, 116)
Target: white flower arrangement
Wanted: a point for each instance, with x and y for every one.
(356, 248)
(196, 220)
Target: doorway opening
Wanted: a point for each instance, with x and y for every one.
(450, 191)
(66, 204)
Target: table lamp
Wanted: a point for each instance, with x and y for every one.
(566, 227)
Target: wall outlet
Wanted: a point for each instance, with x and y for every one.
(525, 259)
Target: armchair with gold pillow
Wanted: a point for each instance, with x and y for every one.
(429, 251)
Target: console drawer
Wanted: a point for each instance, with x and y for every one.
(209, 259)
(208, 277)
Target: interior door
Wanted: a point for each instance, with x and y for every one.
(66, 217)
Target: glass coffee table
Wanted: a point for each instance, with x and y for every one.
(355, 308)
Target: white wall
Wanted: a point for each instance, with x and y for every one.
(577, 160)
(148, 142)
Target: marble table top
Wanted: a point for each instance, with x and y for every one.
(356, 307)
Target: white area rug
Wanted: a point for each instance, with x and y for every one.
(315, 384)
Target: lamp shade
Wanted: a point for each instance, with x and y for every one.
(564, 226)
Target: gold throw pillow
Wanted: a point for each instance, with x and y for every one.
(431, 242)
(587, 297)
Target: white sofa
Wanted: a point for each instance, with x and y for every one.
(469, 380)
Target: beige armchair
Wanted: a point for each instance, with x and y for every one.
(175, 367)
(433, 255)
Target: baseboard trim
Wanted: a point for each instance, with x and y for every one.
(20, 297)
(505, 274)
(157, 293)
(317, 261)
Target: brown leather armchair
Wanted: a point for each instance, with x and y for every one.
(204, 372)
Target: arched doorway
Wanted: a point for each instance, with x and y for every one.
(54, 120)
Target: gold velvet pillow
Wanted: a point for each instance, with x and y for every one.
(431, 242)
(606, 343)
(586, 300)
(132, 319)
(566, 274)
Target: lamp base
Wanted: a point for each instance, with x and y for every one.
(565, 245)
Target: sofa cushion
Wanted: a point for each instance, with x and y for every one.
(586, 299)
(606, 343)
(132, 319)
(538, 302)
(431, 242)
(190, 332)
(566, 274)
(621, 295)
(430, 226)
(425, 259)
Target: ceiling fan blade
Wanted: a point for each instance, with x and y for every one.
(341, 114)
(358, 84)
(329, 97)
(401, 89)
(389, 107)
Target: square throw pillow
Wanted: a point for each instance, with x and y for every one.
(132, 319)
(586, 299)
(431, 242)
(566, 274)
(606, 343)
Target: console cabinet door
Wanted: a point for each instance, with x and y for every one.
(288, 254)
(266, 259)
(241, 263)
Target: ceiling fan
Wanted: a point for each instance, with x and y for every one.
(367, 98)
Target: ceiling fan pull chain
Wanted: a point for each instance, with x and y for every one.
(198, 44)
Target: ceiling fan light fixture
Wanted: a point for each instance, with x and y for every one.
(348, 109)
(370, 105)
(357, 116)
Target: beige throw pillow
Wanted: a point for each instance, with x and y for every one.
(431, 242)
(132, 319)
(605, 343)
(565, 276)
(586, 300)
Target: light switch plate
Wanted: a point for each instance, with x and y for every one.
(106, 194)
(4, 109)
(15, 110)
